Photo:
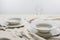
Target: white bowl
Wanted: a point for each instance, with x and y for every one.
(14, 21)
(43, 25)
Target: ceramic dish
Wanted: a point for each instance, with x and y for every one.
(43, 26)
(14, 22)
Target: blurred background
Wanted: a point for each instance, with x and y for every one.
(33, 7)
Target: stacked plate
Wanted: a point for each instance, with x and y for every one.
(44, 28)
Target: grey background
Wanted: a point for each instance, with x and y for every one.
(50, 7)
